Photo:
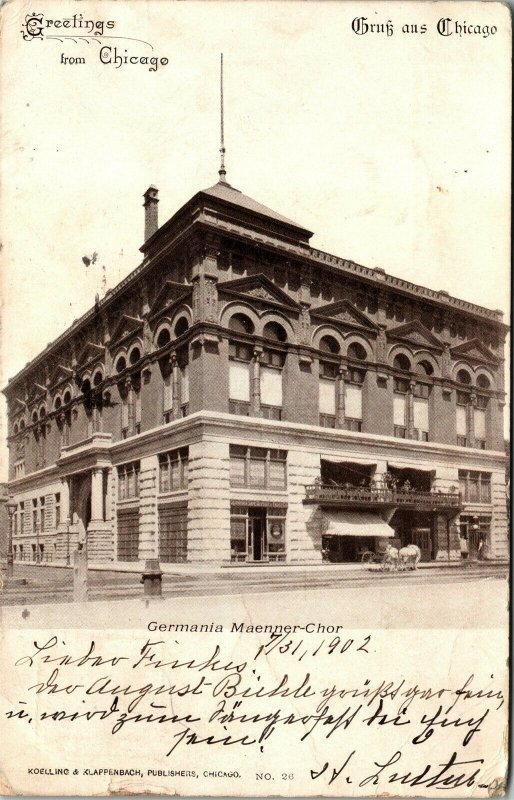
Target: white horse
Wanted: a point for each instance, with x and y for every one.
(390, 560)
(409, 556)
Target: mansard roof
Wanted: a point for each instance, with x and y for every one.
(227, 193)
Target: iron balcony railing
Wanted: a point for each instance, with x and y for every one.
(328, 494)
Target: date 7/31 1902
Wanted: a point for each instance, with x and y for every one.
(298, 648)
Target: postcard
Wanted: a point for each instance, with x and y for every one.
(255, 292)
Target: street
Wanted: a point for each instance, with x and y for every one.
(473, 595)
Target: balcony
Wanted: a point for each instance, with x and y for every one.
(333, 496)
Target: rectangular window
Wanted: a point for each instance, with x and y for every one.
(239, 381)
(421, 418)
(257, 468)
(327, 369)
(167, 401)
(400, 410)
(475, 486)
(327, 396)
(240, 351)
(57, 508)
(184, 385)
(353, 401)
(22, 517)
(479, 423)
(124, 417)
(238, 465)
(257, 465)
(128, 481)
(462, 421)
(271, 387)
(173, 470)
(34, 515)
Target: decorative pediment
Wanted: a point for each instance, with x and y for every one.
(60, 374)
(171, 294)
(343, 312)
(258, 287)
(474, 350)
(18, 405)
(36, 394)
(127, 326)
(415, 333)
(90, 352)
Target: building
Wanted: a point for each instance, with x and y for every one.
(244, 397)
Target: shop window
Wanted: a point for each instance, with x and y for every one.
(128, 481)
(257, 467)
(173, 470)
(475, 486)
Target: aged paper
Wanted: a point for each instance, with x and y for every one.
(255, 527)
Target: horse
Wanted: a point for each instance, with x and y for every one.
(409, 556)
(390, 560)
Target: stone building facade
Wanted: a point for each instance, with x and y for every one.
(244, 397)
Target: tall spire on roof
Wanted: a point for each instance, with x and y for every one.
(222, 171)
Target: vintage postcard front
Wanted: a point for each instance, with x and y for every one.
(254, 512)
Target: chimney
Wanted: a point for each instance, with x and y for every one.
(150, 207)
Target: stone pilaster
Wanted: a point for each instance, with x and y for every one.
(304, 522)
(208, 516)
(497, 545)
(148, 522)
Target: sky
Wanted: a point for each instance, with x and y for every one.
(394, 149)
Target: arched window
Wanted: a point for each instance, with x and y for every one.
(181, 326)
(464, 377)
(275, 332)
(163, 338)
(57, 403)
(34, 418)
(22, 425)
(483, 382)
(329, 345)
(401, 362)
(97, 378)
(240, 323)
(15, 428)
(67, 397)
(135, 355)
(424, 368)
(357, 351)
(121, 364)
(42, 412)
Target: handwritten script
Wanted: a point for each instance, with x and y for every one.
(329, 699)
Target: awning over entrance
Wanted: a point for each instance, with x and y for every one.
(355, 523)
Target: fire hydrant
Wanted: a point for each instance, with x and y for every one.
(152, 578)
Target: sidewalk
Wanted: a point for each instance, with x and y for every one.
(196, 569)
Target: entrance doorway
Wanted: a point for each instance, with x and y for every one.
(257, 533)
(415, 527)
